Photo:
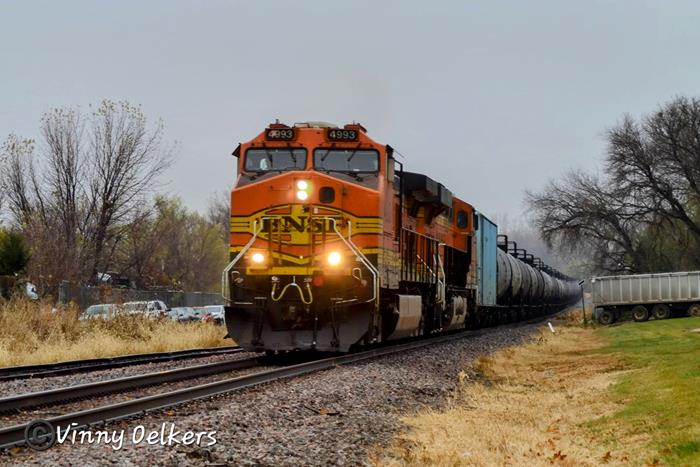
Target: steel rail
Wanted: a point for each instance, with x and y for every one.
(78, 366)
(15, 435)
(68, 393)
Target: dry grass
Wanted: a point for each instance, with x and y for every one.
(574, 316)
(527, 405)
(31, 333)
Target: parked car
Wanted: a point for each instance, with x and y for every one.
(30, 291)
(101, 311)
(183, 314)
(213, 314)
(199, 311)
(150, 308)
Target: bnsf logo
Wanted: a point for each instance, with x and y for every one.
(293, 230)
(290, 224)
(297, 226)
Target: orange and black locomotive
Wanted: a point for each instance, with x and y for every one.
(334, 245)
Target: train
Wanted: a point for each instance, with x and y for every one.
(334, 246)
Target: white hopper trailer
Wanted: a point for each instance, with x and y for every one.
(645, 295)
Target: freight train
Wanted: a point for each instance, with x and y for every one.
(335, 246)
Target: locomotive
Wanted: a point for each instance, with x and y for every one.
(334, 246)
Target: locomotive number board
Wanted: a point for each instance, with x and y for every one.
(279, 134)
(336, 134)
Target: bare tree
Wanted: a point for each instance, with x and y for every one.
(137, 253)
(44, 193)
(88, 182)
(61, 131)
(4, 163)
(657, 160)
(647, 204)
(219, 213)
(127, 159)
(582, 213)
(16, 154)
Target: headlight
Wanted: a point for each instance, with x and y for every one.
(258, 258)
(303, 189)
(334, 258)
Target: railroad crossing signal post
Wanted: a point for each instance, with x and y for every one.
(583, 303)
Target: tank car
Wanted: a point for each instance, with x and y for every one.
(334, 245)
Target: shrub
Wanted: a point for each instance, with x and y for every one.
(14, 253)
(36, 332)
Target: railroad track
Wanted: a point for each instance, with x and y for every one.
(82, 391)
(44, 433)
(16, 435)
(79, 366)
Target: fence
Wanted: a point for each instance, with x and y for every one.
(85, 296)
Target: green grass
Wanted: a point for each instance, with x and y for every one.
(661, 393)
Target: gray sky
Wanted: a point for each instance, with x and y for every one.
(487, 97)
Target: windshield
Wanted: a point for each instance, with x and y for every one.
(346, 160)
(135, 306)
(267, 159)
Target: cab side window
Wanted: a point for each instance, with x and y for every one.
(462, 219)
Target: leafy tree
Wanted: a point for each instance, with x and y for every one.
(14, 253)
(173, 247)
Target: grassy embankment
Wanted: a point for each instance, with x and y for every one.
(31, 333)
(623, 395)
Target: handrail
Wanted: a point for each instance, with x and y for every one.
(430, 270)
(374, 271)
(225, 280)
(441, 284)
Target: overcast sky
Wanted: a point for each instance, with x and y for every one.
(488, 97)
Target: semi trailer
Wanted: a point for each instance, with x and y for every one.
(643, 296)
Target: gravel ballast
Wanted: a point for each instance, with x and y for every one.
(332, 417)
